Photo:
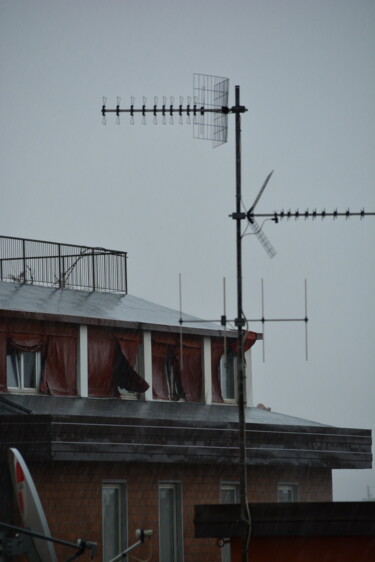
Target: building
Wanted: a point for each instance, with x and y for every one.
(127, 417)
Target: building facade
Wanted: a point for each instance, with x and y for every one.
(127, 419)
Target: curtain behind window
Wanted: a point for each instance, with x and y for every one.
(59, 373)
(57, 344)
(169, 381)
(111, 361)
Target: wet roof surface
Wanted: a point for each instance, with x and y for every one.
(95, 306)
(183, 411)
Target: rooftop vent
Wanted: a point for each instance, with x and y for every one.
(64, 266)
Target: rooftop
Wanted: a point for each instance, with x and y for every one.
(91, 307)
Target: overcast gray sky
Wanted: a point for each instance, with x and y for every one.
(306, 72)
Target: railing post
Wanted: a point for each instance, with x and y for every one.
(60, 268)
(93, 270)
(24, 259)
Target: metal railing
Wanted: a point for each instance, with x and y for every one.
(64, 266)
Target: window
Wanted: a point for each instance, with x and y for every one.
(23, 369)
(114, 519)
(170, 522)
(229, 493)
(228, 375)
(287, 493)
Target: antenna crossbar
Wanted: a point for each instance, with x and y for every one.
(277, 216)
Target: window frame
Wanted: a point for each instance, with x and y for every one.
(18, 371)
(228, 368)
(122, 523)
(233, 487)
(292, 487)
(178, 548)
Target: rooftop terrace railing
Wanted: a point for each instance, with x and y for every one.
(64, 266)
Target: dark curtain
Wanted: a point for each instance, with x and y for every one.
(217, 351)
(125, 375)
(3, 363)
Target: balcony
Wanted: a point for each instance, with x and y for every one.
(64, 266)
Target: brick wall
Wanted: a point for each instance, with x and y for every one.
(71, 496)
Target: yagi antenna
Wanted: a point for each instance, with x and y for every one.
(258, 230)
(209, 111)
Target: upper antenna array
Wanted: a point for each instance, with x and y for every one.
(278, 216)
(208, 110)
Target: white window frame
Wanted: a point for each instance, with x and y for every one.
(19, 372)
(122, 522)
(177, 515)
(226, 370)
(232, 487)
(235, 488)
(288, 487)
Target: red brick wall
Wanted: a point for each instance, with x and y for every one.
(71, 496)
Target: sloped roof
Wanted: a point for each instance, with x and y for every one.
(85, 307)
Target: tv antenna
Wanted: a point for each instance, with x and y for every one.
(209, 112)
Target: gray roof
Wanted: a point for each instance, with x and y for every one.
(183, 411)
(96, 308)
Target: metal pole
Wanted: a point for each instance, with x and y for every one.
(240, 325)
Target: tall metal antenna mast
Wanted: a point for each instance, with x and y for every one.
(209, 112)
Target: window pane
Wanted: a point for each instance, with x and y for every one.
(170, 523)
(228, 376)
(288, 493)
(111, 522)
(12, 371)
(229, 493)
(167, 524)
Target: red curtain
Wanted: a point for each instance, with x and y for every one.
(191, 372)
(27, 342)
(59, 374)
(249, 339)
(101, 360)
(58, 346)
(169, 381)
(112, 358)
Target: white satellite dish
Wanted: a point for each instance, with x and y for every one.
(30, 506)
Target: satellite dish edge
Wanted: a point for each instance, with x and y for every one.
(30, 506)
